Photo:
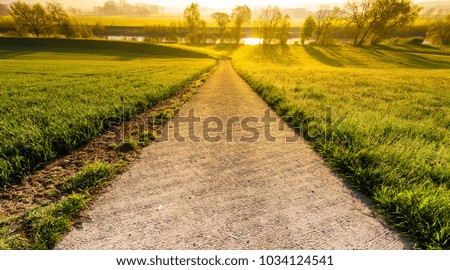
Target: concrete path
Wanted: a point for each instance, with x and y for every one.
(230, 194)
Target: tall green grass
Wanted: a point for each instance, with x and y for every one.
(56, 94)
(394, 142)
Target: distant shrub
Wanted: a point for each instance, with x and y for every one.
(404, 41)
(172, 38)
(7, 25)
(439, 31)
(414, 41)
(127, 146)
(82, 30)
(99, 30)
(151, 40)
(13, 34)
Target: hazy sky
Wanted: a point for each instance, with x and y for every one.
(233, 3)
(181, 4)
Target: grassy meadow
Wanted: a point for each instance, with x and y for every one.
(55, 93)
(394, 142)
(131, 21)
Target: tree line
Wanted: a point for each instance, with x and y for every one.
(122, 7)
(197, 30)
(361, 22)
(272, 26)
(368, 22)
(47, 20)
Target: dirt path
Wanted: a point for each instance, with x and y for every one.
(230, 195)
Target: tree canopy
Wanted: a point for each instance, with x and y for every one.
(371, 19)
(194, 23)
(30, 18)
(308, 28)
(222, 19)
(439, 32)
(273, 25)
(50, 20)
(240, 15)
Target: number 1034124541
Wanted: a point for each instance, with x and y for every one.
(310, 260)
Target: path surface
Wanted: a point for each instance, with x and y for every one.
(230, 195)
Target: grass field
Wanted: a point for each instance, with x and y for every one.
(131, 21)
(55, 93)
(394, 141)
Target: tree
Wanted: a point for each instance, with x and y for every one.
(228, 35)
(30, 18)
(372, 19)
(285, 28)
(392, 15)
(123, 7)
(194, 22)
(308, 28)
(74, 11)
(110, 8)
(222, 19)
(81, 30)
(325, 18)
(240, 15)
(99, 29)
(439, 32)
(60, 19)
(43, 15)
(268, 21)
(359, 14)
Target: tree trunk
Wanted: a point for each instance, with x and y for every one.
(355, 40)
(319, 33)
(361, 42)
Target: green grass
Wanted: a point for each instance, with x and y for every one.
(57, 93)
(42, 227)
(131, 20)
(394, 142)
(92, 178)
(127, 146)
(46, 225)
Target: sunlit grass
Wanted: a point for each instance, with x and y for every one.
(54, 99)
(397, 130)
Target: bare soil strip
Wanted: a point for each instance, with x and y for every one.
(230, 195)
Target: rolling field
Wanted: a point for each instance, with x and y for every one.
(131, 21)
(393, 142)
(380, 116)
(55, 93)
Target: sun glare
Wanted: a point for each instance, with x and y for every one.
(252, 41)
